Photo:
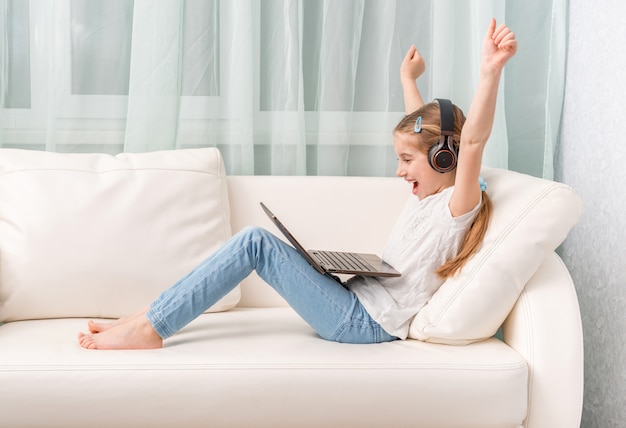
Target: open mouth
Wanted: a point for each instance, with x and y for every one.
(415, 186)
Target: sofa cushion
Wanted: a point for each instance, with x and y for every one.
(531, 217)
(255, 367)
(95, 235)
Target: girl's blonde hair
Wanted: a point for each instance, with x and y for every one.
(423, 141)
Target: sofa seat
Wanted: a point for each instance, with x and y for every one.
(256, 367)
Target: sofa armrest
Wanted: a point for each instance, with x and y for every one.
(545, 328)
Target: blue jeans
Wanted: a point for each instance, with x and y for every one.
(324, 303)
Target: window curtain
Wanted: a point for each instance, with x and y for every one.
(282, 87)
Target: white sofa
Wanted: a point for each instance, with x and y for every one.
(96, 236)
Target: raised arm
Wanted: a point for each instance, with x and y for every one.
(412, 67)
(499, 45)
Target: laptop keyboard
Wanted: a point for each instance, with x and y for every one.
(347, 261)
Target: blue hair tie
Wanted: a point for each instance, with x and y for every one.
(483, 184)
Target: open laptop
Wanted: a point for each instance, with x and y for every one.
(337, 261)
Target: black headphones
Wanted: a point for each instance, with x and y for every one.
(442, 156)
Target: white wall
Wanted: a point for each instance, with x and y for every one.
(592, 159)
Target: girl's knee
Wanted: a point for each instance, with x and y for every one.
(257, 235)
(254, 231)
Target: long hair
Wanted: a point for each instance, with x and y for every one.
(424, 140)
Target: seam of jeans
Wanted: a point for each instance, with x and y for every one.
(159, 326)
(372, 326)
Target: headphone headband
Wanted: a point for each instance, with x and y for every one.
(446, 112)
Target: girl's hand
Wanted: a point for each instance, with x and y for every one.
(499, 45)
(412, 66)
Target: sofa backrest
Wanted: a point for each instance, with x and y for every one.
(331, 213)
(94, 235)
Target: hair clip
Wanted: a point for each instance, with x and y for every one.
(483, 184)
(418, 125)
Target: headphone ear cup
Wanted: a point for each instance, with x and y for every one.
(432, 155)
(442, 157)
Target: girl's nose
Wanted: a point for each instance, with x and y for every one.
(399, 171)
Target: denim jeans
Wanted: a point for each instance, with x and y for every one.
(325, 304)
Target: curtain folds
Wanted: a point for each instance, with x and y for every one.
(155, 81)
(283, 87)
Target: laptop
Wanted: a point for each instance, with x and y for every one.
(337, 261)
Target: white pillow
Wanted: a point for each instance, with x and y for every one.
(95, 235)
(531, 217)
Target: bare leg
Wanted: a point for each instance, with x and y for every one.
(136, 333)
(99, 327)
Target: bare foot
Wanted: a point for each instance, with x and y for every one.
(137, 333)
(99, 327)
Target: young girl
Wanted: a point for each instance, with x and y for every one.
(436, 233)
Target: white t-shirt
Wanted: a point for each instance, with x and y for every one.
(424, 238)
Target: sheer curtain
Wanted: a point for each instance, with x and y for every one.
(283, 87)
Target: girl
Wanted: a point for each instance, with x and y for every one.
(435, 235)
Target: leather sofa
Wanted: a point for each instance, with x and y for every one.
(87, 236)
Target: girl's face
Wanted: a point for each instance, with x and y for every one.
(413, 166)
